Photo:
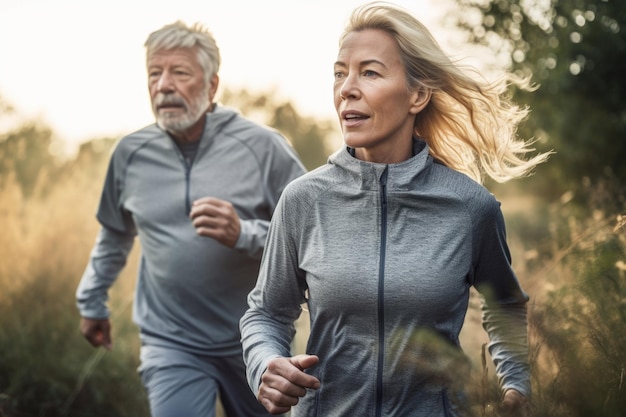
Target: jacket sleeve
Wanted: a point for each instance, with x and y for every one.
(113, 243)
(108, 257)
(504, 313)
(506, 326)
(252, 237)
(267, 327)
(279, 165)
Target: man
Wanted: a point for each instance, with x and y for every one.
(198, 188)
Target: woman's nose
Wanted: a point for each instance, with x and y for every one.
(348, 88)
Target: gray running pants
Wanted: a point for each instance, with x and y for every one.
(181, 384)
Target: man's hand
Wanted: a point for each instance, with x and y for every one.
(514, 404)
(284, 382)
(97, 332)
(216, 219)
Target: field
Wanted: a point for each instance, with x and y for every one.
(569, 260)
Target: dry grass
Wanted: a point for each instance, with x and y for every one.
(45, 243)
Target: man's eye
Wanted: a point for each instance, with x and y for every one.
(338, 74)
(369, 73)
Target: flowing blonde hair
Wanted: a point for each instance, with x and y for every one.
(470, 124)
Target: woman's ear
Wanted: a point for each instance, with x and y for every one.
(420, 99)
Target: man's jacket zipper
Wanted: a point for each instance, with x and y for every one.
(187, 166)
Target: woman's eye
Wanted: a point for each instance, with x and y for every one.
(338, 74)
(369, 73)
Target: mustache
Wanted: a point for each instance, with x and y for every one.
(169, 99)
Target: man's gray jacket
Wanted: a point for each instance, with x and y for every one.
(191, 290)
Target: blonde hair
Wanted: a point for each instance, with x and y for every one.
(470, 125)
(179, 35)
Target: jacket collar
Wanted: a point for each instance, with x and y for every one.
(399, 176)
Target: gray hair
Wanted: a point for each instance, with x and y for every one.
(179, 35)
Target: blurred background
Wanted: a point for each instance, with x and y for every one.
(72, 81)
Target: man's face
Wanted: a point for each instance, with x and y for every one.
(178, 90)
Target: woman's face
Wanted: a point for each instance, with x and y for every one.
(375, 107)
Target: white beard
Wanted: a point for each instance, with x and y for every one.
(174, 121)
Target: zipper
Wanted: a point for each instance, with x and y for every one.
(187, 167)
(381, 293)
(187, 185)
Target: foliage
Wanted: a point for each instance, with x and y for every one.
(48, 228)
(580, 329)
(577, 282)
(25, 153)
(574, 50)
(43, 354)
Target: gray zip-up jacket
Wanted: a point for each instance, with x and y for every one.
(384, 257)
(191, 290)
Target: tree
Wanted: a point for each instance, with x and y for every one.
(574, 50)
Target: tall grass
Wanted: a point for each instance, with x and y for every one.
(44, 361)
(573, 264)
(570, 259)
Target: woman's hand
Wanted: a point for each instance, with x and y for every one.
(284, 382)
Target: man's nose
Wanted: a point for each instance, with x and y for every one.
(165, 82)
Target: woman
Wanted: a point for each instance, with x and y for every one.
(384, 242)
